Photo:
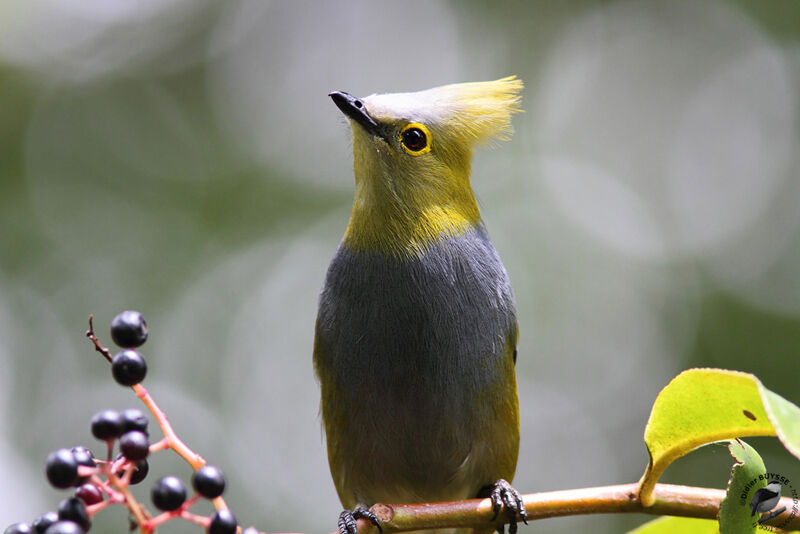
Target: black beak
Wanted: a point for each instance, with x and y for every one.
(354, 109)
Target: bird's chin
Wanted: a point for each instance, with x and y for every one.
(366, 142)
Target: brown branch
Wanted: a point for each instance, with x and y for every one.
(97, 345)
(670, 499)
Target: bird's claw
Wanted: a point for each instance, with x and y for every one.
(347, 520)
(502, 494)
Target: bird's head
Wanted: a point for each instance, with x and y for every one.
(412, 155)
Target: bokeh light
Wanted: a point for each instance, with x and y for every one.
(182, 158)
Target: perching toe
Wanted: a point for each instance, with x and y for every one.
(347, 520)
(502, 495)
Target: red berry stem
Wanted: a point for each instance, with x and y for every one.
(118, 487)
(130, 501)
(127, 474)
(104, 487)
(94, 508)
(86, 471)
(182, 512)
(160, 519)
(174, 442)
(159, 445)
(201, 520)
(116, 465)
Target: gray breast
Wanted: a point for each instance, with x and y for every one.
(421, 331)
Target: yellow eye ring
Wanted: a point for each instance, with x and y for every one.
(415, 138)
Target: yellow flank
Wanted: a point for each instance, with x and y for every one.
(408, 197)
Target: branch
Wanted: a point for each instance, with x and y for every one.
(670, 499)
(170, 441)
(97, 345)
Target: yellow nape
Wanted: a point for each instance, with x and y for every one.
(412, 170)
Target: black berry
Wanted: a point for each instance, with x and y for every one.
(61, 469)
(73, 509)
(133, 419)
(65, 527)
(128, 367)
(142, 468)
(134, 445)
(89, 494)
(128, 329)
(84, 457)
(43, 522)
(19, 528)
(222, 522)
(208, 481)
(168, 494)
(107, 425)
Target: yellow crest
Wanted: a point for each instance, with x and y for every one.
(475, 112)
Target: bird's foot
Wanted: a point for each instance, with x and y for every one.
(503, 495)
(347, 520)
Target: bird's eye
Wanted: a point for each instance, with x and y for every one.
(415, 139)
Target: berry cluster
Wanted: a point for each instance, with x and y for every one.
(99, 483)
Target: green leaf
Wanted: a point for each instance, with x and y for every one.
(701, 406)
(734, 511)
(786, 418)
(677, 525)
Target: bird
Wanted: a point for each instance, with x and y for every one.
(415, 342)
(765, 498)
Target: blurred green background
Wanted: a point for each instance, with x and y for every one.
(181, 158)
